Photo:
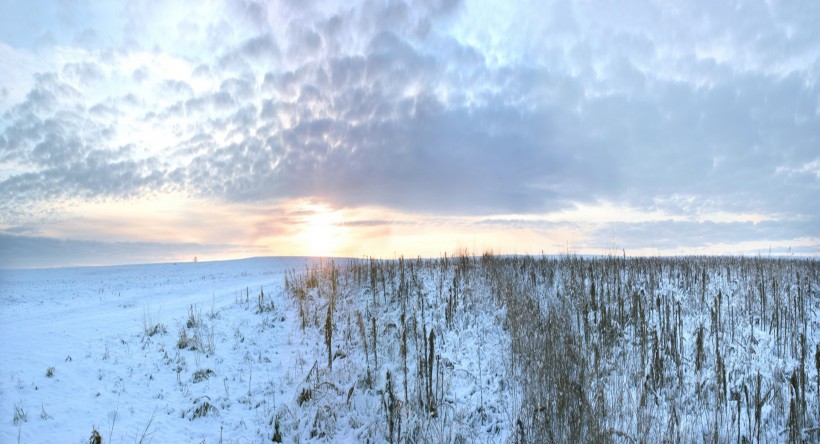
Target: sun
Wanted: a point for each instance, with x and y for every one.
(321, 233)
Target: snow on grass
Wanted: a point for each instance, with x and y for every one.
(464, 349)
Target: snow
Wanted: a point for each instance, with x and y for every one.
(87, 323)
(519, 347)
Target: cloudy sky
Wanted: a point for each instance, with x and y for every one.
(144, 131)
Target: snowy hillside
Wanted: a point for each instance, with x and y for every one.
(459, 349)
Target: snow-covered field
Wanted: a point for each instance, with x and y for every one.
(465, 349)
(85, 326)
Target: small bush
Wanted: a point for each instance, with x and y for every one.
(262, 305)
(156, 329)
(95, 438)
(182, 342)
(50, 372)
(201, 375)
(204, 409)
(193, 318)
(151, 326)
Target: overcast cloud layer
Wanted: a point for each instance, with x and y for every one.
(427, 108)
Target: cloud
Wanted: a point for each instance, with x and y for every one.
(66, 147)
(377, 223)
(435, 107)
(671, 235)
(352, 132)
(84, 72)
(91, 178)
(176, 87)
(259, 50)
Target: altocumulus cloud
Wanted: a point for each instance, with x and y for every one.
(430, 107)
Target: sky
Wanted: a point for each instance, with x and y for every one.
(145, 131)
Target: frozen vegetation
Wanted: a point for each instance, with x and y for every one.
(456, 349)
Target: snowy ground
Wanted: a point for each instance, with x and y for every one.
(87, 326)
(465, 349)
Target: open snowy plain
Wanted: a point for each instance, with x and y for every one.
(77, 354)
(463, 349)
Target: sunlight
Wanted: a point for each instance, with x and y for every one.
(321, 233)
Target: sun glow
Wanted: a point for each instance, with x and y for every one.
(321, 232)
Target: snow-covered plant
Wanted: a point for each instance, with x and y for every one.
(150, 326)
(194, 318)
(20, 415)
(603, 349)
(95, 437)
(182, 342)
